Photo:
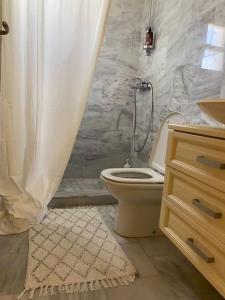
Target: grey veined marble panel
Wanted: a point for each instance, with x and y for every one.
(104, 136)
(186, 65)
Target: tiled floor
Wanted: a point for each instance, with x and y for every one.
(163, 272)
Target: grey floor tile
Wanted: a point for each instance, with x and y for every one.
(91, 184)
(7, 297)
(214, 295)
(158, 245)
(139, 259)
(148, 288)
(183, 278)
(95, 295)
(14, 243)
(13, 272)
(10, 297)
(107, 212)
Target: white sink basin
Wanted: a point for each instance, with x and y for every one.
(215, 108)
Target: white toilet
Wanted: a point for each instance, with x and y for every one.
(139, 190)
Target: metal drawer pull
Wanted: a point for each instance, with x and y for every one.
(210, 163)
(207, 210)
(207, 258)
(5, 29)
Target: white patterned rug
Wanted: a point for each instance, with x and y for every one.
(72, 250)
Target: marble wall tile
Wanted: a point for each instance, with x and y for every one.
(104, 136)
(185, 65)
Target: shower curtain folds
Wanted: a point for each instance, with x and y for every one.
(47, 64)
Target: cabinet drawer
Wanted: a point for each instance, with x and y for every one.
(201, 202)
(202, 249)
(198, 156)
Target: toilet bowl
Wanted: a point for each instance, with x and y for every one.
(139, 190)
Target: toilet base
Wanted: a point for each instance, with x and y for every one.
(137, 220)
(138, 207)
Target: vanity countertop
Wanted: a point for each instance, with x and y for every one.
(203, 130)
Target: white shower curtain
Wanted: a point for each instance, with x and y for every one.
(48, 60)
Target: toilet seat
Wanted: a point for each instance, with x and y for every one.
(156, 160)
(134, 173)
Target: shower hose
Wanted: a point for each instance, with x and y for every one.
(135, 147)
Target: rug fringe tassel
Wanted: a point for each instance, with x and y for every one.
(84, 288)
(52, 291)
(31, 294)
(78, 287)
(46, 291)
(21, 294)
(114, 283)
(41, 291)
(98, 285)
(69, 289)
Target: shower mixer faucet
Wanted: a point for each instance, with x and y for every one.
(141, 85)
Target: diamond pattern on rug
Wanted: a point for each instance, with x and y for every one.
(74, 247)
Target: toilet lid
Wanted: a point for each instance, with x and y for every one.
(158, 154)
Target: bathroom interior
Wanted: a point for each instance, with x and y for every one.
(137, 152)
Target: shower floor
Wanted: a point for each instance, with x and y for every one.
(81, 187)
(81, 191)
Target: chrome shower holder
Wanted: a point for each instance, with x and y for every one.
(141, 85)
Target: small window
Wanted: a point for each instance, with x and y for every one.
(213, 57)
